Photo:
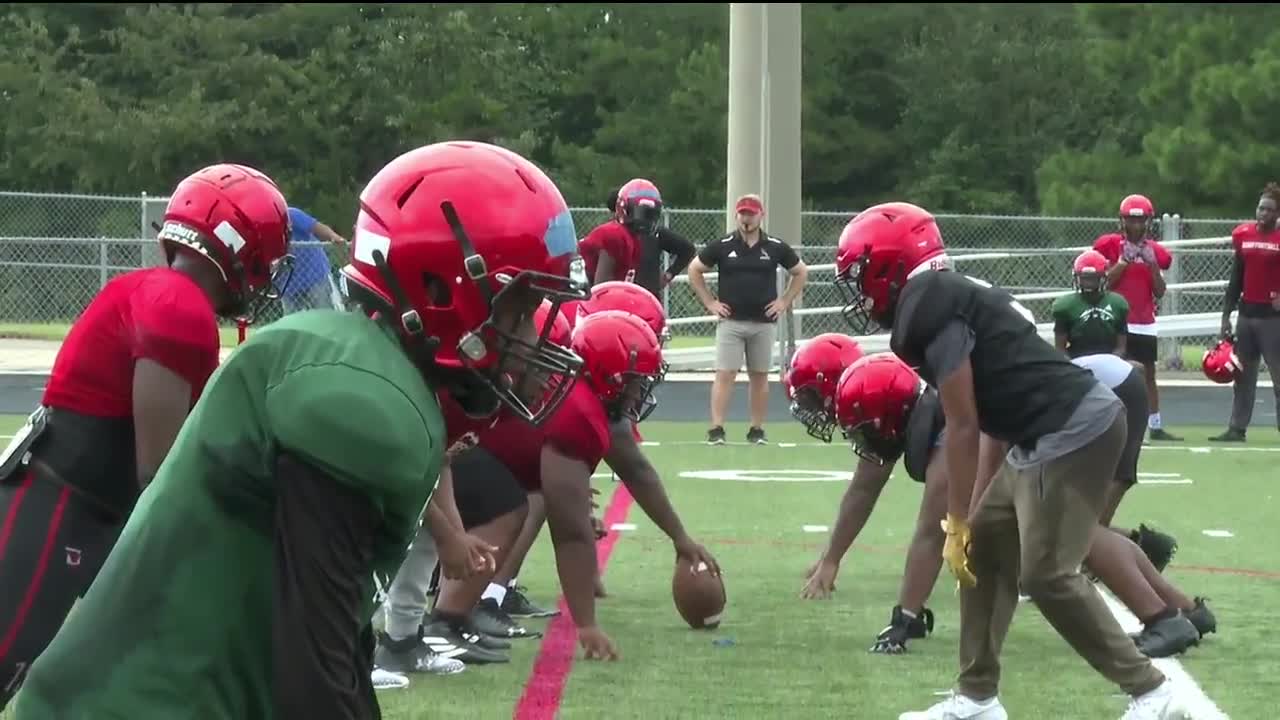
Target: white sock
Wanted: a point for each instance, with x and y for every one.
(497, 592)
(1153, 421)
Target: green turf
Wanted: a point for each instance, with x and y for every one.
(800, 659)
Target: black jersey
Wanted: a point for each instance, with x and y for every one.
(1024, 387)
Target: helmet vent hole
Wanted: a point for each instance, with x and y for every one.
(438, 291)
(527, 182)
(408, 192)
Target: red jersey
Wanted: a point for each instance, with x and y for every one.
(157, 313)
(621, 245)
(462, 430)
(579, 429)
(1135, 284)
(1260, 255)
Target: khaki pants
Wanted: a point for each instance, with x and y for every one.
(1033, 527)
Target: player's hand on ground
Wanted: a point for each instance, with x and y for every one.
(695, 553)
(821, 582)
(596, 645)
(956, 549)
(464, 555)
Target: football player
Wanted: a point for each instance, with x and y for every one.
(612, 295)
(121, 387)
(1135, 270)
(612, 249)
(242, 585)
(1092, 319)
(1032, 523)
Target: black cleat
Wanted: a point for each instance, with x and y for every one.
(1202, 617)
(412, 655)
(517, 605)
(440, 633)
(1170, 636)
(490, 620)
(1162, 434)
(1231, 435)
(1159, 547)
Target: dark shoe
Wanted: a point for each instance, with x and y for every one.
(517, 605)
(1231, 435)
(1162, 434)
(893, 639)
(490, 620)
(1170, 636)
(756, 435)
(443, 634)
(715, 436)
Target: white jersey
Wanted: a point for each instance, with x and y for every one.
(1111, 370)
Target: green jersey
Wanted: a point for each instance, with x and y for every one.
(1091, 327)
(179, 622)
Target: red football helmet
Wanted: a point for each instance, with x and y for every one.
(237, 218)
(874, 399)
(879, 250)
(1090, 273)
(1220, 363)
(1137, 207)
(621, 360)
(639, 206)
(456, 244)
(634, 299)
(811, 380)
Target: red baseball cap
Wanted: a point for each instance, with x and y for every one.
(751, 204)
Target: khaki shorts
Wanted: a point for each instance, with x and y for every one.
(736, 339)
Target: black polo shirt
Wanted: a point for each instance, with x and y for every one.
(748, 274)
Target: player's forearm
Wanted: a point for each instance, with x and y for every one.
(961, 448)
(991, 455)
(795, 284)
(855, 507)
(647, 489)
(1115, 271)
(445, 501)
(1157, 281)
(1234, 287)
(699, 285)
(576, 566)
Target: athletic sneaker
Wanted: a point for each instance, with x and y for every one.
(383, 680)
(412, 655)
(756, 435)
(959, 707)
(517, 605)
(1162, 703)
(1169, 636)
(490, 620)
(1162, 434)
(444, 638)
(715, 436)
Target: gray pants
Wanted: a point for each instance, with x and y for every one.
(406, 602)
(739, 340)
(1256, 338)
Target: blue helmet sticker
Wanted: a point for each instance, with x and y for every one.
(561, 238)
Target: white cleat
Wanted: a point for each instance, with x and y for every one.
(384, 680)
(1163, 703)
(959, 707)
(440, 665)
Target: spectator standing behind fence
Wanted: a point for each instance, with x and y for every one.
(654, 241)
(1136, 271)
(310, 284)
(1255, 287)
(748, 308)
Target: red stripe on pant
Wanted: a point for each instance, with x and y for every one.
(12, 516)
(33, 588)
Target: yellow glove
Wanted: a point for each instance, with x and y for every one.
(956, 550)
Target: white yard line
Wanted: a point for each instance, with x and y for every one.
(1193, 696)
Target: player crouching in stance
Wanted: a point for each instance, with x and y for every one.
(1032, 524)
(121, 387)
(242, 585)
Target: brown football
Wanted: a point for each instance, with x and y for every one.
(699, 596)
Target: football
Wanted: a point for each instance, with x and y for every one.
(699, 596)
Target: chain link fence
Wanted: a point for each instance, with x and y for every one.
(58, 250)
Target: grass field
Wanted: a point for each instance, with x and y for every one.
(796, 659)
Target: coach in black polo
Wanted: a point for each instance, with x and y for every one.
(748, 306)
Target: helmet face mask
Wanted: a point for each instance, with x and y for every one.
(871, 445)
(809, 409)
